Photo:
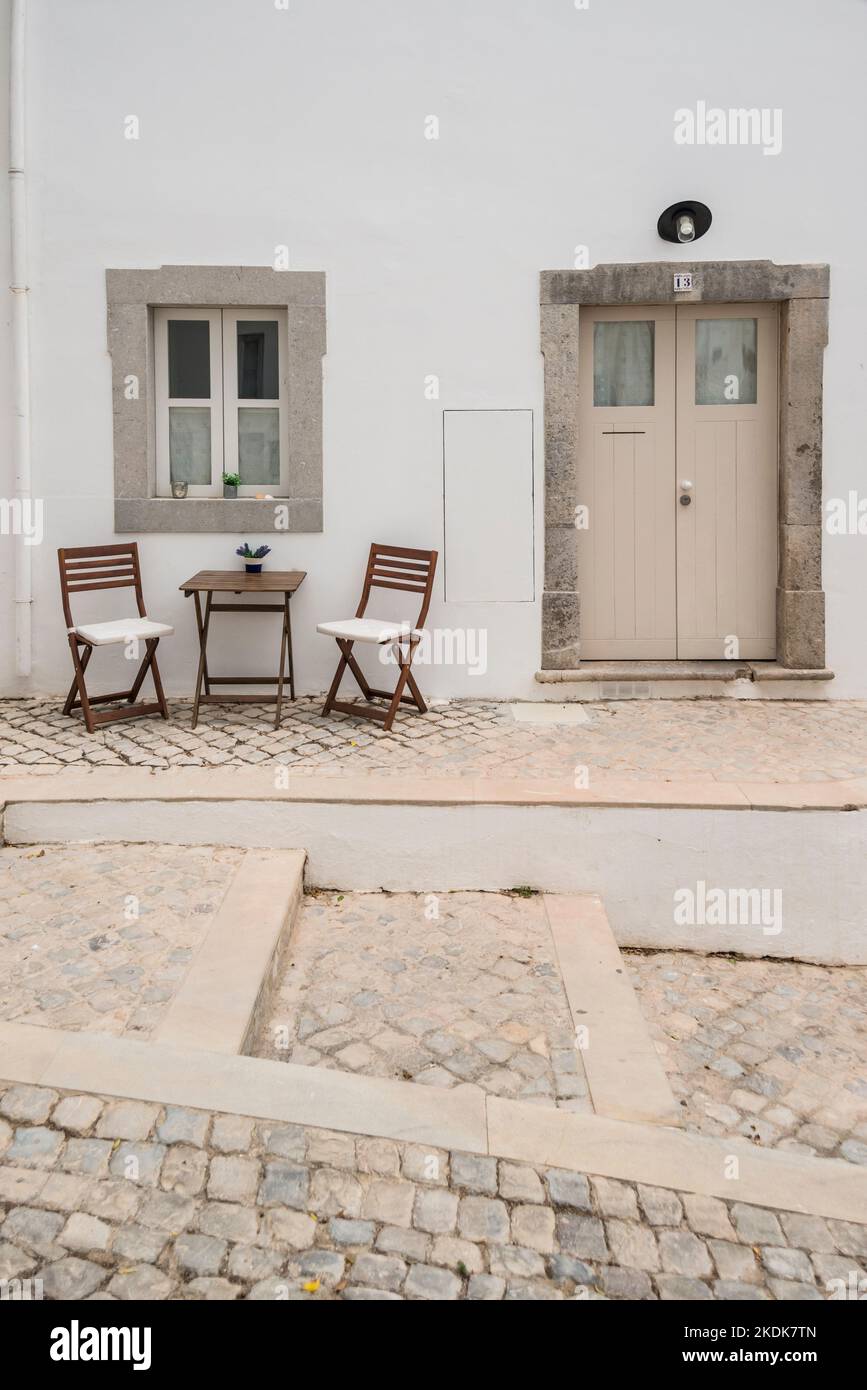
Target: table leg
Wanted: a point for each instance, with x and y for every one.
(282, 667)
(203, 646)
(288, 598)
(199, 626)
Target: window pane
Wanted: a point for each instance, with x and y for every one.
(259, 445)
(190, 443)
(257, 361)
(725, 362)
(189, 359)
(623, 363)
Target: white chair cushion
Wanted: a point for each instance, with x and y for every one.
(123, 630)
(366, 630)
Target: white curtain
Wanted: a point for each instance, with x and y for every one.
(725, 362)
(623, 363)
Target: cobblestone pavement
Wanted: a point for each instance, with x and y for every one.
(439, 989)
(105, 1199)
(773, 1050)
(778, 741)
(99, 939)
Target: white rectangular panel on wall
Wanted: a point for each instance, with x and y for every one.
(488, 489)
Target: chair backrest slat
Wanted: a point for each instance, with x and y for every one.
(102, 584)
(100, 563)
(85, 568)
(392, 562)
(377, 583)
(116, 572)
(407, 571)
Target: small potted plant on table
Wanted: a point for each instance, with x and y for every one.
(253, 558)
(230, 484)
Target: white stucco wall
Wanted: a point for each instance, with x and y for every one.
(804, 914)
(261, 127)
(7, 628)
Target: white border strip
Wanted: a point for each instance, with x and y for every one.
(462, 1118)
(226, 990)
(626, 1078)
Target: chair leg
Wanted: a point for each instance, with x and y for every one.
(335, 685)
(80, 665)
(158, 684)
(83, 702)
(416, 693)
(403, 678)
(360, 678)
(142, 672)
(73, 689)
(150, 664)
(346, 659)
(394, 698)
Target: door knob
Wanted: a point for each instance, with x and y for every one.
(686, 484)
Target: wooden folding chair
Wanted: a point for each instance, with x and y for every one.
(388, 567)
(91, 567)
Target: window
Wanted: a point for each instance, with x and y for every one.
(725, 361)
(221, 400)
(623, 363)
(205, 395)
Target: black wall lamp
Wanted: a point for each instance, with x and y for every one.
(685, 221)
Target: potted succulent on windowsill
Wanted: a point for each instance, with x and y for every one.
(230, 484)
(253, 558)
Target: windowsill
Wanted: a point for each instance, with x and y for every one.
(218, 514)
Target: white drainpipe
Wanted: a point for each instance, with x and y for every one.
(20, 339)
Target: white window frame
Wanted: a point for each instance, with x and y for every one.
(232, 404)
(164, 401)
(224, 403)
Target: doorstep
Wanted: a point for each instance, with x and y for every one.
(725, 671)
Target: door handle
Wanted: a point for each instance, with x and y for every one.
(686, 485)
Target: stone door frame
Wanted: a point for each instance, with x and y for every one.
(802, 293)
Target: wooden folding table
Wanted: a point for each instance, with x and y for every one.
(210, 582)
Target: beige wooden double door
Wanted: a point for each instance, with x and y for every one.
(677, 471)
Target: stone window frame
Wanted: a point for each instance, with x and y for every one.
(132, 295)
(802, 292)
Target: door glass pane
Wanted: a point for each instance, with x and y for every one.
(257, 360)
(190, 443)
(189, 359)
(725, 361)
(259, 445)
(623, 363)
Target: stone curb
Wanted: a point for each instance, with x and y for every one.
(461, 1119)
(258, 784)
(626, 1078)
(228, 985)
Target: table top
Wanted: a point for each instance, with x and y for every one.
(240, 582)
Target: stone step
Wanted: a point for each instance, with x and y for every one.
(624, 1073)
(227, 990)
